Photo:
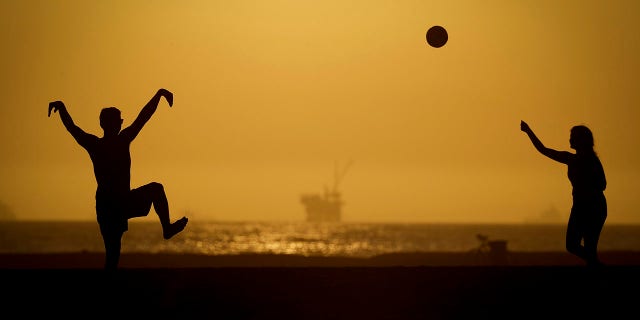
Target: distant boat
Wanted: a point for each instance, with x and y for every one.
(327, 206)
(551, 215)
(6, 214)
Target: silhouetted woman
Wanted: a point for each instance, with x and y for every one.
(589, 210)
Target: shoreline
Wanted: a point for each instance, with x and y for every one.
(428, 292)
(258, 286)
(92, 260)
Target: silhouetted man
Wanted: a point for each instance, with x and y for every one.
(116, 202)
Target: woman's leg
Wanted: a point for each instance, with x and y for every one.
(575, 233)
(598, 215)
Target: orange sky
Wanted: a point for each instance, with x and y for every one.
(270, 94)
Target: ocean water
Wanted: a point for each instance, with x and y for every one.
(307, 239)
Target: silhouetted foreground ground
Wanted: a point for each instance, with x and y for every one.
(282, 291)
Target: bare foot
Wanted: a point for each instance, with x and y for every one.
(175, 228)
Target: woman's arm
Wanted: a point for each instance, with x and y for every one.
(560, 156)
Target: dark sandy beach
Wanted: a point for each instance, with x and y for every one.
(402, 286)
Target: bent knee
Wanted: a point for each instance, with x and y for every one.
(156, 186)
(572, 248)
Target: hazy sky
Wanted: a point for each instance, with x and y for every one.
(269, 95)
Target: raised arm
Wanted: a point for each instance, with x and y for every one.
(147, 111)
(560, 156)
(78, 134)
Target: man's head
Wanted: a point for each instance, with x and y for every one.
(110, 120)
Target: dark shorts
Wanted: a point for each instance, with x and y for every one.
(114, 212)
(588, 213)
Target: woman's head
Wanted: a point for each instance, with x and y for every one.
(581, 138)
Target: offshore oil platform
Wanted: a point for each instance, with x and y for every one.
(327, 206)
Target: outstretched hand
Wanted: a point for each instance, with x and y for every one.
(524, 126)
(55, 106)
(167, 95)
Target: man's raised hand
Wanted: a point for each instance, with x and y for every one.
(55, 106)
(167, 95)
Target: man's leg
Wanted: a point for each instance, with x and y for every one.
(112, 245)
(153, 193)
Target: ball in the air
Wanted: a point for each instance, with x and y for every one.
(437, 36)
